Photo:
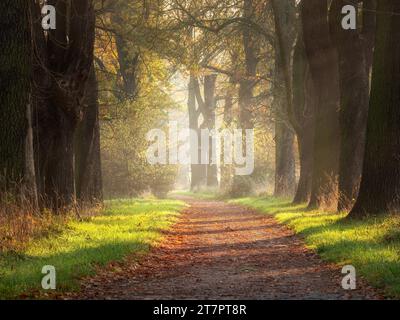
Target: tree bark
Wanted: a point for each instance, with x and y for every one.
(227, 169)
(15, 88)
(323, 61)
(247, 83)
(293, 109)
(210, 122)
(285, 169)
(380, 183)
(128, 62)
(354, 51)
(285, 164)
(246, 89)
(87, 147)
(305, 144)
(198, 171)
(30, 186)
(285, 28)
(304, 98)
(70, 52)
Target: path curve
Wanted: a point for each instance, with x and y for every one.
(224, 251)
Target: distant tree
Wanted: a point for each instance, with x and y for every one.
(210, 106)
(128, 56)
(198, 171)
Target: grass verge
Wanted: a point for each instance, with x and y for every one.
(124, 227)
(371, 245)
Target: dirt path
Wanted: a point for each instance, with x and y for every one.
(221, 251)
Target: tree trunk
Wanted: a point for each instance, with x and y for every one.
(87, 148)
(304, 97)
(58, 164)
(227, 169)
(285, 169)
(289, 108)
(285, 164)
(369, 30)
(305, 144)
(353, 53)
(380, 183)
(247, 83)
(246, 90)
(70, 52)
(323, 61)
(198, 171)
(285, 29)
(128, 61)
(30, 186)
(210, 122)
(15, 87)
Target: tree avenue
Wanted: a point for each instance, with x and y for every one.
(290, 107)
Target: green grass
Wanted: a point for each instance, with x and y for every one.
(371, 245)
(124, 227)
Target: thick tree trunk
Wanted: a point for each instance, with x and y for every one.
(304, 97)
(354, 53)
(323, 61)
(380, 183)
(40, 88)
(245, 104)
(15, 88)
(87, 148)
(70, 52)
(285, 28)
(287, 108)
(305, 143)
(369, 30)
(58, 163)
(285, 164)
